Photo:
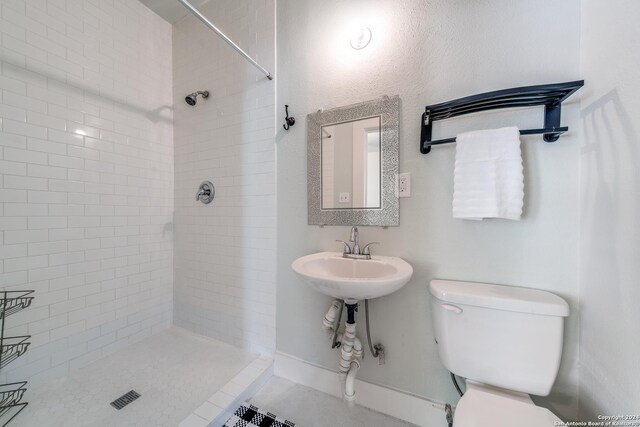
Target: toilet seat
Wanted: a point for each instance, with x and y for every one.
(483, 406)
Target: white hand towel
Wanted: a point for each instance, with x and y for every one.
(488, 176)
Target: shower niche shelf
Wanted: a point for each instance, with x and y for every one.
(11, 348)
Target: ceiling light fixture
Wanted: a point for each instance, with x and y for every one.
(360, 38)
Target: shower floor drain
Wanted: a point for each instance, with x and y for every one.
(125, 399)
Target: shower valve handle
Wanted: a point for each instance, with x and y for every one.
(206, 192)
(202, 192)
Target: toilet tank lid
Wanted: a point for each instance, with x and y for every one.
(500, 297)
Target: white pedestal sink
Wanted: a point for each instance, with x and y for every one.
(353, 279)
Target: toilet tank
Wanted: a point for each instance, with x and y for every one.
(505, 336)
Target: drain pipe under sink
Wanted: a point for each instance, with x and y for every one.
(350, 347)
(329, 322)
(350, 384)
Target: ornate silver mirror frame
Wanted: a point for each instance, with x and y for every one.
(388, 214)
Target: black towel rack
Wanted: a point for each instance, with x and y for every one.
(11, 348)
(551, 96)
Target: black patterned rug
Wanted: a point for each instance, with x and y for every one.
(249, 416)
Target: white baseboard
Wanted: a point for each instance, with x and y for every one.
(397, 404)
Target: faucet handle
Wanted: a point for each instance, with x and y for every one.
(347, 248)
(365, 250)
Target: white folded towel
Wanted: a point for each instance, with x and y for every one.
(488, 177)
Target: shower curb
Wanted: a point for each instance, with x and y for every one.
(222, 404)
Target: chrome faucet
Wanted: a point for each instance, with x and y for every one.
(356, 253)
(355, 239)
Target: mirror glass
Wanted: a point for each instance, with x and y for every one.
(352, 164)
(351, 175)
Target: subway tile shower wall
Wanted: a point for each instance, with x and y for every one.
(86, 177)
(225, 251)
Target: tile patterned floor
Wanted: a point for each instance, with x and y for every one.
(310, 408)
(248, 415)
(174, 371)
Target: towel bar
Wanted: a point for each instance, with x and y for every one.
(551, 96)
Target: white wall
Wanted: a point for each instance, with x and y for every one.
(428, 52)
(225, 251)
(86, 177)
(610, 190)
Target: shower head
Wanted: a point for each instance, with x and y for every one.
(191, 99)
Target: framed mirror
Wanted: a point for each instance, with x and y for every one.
(352, 164)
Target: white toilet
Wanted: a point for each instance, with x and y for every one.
(507, 342)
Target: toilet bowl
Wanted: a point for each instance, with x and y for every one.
(507, 342)
(486, 406)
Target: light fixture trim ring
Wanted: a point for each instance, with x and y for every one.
(361, 38)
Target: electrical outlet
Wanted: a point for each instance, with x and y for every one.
(404, 185)
(345, 197)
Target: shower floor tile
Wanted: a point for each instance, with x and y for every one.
(174, 371)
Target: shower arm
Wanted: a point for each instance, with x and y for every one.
(230, 42)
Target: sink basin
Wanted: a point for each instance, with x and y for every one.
(353, 279)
